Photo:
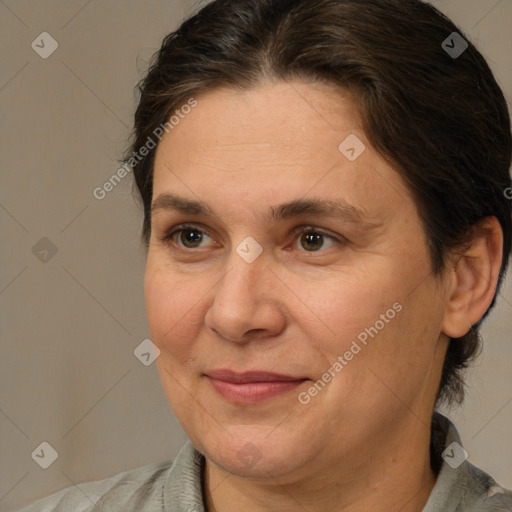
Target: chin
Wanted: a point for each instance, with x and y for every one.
(252, 452)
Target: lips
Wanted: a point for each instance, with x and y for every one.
(252, 386)
(251, 376)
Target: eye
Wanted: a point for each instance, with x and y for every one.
(190, 236)
(313, 239)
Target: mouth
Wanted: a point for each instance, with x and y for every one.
(252, 386)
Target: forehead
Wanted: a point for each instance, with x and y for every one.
(276, 143)
(284, 112)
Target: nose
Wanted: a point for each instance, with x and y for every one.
(246, 302)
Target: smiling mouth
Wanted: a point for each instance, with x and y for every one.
(253, 386)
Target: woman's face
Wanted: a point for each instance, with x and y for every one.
(348, 314)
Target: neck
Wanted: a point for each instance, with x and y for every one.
(398, 477)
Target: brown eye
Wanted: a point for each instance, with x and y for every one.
(185, 237)
(190, 238)
(313, 240)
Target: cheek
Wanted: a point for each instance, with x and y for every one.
(172, 311)
(353, 301)
(372, 313)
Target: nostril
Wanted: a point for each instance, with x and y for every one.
(254, 331)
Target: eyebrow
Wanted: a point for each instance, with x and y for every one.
(300, 207)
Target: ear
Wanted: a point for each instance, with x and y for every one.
(473, 278)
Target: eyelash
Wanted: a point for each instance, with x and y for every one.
(167, 238)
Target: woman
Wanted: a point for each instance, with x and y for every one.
(327, 224)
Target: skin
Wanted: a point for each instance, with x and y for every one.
(362, 443)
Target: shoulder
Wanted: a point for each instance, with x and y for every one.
(461, 486)
(140, 489)
(483, 493)
(175, 484)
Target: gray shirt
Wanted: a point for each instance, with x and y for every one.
(176, 486)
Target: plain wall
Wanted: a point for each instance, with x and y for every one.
(70, 325)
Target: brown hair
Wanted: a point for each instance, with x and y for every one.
(441, 120)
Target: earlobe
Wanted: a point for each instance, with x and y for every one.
(474, 277)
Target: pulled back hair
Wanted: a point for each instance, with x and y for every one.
(442, 122)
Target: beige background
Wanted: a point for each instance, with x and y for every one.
(70, 325)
